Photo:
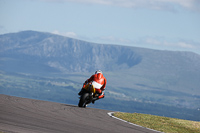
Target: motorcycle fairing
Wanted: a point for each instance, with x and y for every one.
(90, 88)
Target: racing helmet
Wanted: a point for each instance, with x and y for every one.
(98, 71)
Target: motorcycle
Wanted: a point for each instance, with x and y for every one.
(87, 96)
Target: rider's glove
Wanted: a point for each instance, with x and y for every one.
(86, 82)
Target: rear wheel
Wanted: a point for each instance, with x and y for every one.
(83, 100)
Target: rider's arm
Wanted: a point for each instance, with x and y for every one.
(104, 85)
(90, 79)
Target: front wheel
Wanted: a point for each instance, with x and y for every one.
(83, 100)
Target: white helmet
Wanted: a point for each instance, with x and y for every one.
(98, 71)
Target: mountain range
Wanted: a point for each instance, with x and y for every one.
(134, 74)
(66, 54)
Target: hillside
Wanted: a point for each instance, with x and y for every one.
(136, 75)
(65, 54)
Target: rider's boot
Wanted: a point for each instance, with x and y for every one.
(98, 97)
(101, 96)
(93, 101)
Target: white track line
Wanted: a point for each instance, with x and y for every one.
(111, 115)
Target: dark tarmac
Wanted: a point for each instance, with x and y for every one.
(22, 115)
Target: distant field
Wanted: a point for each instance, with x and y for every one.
(65, 88)
(163, 124)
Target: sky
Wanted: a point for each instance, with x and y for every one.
(155, 24)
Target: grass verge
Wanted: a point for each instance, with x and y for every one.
(163, 124)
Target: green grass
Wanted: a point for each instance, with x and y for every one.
(163, 124)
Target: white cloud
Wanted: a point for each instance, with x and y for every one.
(68, 34)
(184, 3)
(163, 43)
(180, 44)
(114, 40)
(177, 44)
(154, 42)
(170, 5)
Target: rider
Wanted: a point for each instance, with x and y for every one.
(99, 83)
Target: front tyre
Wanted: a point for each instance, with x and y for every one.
(83, 100)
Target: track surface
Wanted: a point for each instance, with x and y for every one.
(22, 115)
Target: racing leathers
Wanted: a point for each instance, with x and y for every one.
(99, 83)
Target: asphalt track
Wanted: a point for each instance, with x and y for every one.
(22, 115)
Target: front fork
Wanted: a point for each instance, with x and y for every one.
(93, 97)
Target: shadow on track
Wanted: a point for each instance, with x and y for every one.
(74, 106)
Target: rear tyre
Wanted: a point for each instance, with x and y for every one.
(83, 100)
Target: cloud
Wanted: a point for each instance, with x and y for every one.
(189, 4)
(153, 42)
(178, 44)
(68, 34)
(170, 5)
(112, 39)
